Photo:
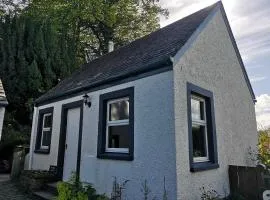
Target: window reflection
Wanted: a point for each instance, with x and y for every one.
(119, 110)
(199, 142)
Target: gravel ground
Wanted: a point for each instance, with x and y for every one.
(8, 190)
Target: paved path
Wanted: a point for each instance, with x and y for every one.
(8, 190)
(4, 177)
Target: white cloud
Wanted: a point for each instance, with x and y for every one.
(255, 79)
(263, 111)
(249, 21)
(181, 8)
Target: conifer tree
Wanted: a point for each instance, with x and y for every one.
(33, 58)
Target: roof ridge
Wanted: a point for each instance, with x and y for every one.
(218, 3)
(173, 23)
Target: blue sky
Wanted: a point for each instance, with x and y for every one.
(250, 22)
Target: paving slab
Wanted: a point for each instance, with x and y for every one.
(9, 190)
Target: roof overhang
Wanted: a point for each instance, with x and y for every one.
(237, 52)
(156, 67)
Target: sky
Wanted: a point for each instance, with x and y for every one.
(250, 23)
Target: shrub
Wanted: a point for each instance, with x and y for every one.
(118, 188)
(209, 194)
(261, 155)
(76, 190)
(264, 148)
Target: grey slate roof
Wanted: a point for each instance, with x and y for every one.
(3, 99)
(142, 55)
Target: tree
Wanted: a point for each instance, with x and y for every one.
(93, 23)
(33, 58)
(264, 147)
(11, 6)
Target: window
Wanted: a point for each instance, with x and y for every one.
(116, 125)
(199, 129)
(202, 133)
(44, 131)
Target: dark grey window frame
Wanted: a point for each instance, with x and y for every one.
(211, 128)
(39, 131)
(104, 98)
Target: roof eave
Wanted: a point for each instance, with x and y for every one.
(237, 52)
(166, 61)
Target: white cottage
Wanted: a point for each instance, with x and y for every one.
(3, 104)
(176, 103)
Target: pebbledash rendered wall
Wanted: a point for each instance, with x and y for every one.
(211, 63)
(154, 140)
(2, 114)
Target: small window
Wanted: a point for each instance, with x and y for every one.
(202, 133)
(116, 125)
(44, 131)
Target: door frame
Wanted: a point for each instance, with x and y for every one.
(62, 138)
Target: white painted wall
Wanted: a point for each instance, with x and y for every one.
(154, 146)
(43, 161)
(2, 114)
(211, 63)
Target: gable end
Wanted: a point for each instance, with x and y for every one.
(196, 34)
(223, 13)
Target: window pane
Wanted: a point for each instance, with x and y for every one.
(119, 110)
(118, 136)
(199, 141)
(46, 139)
(197, 109)
(47, 121)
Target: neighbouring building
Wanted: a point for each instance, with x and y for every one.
(176, 103)
(3, 104)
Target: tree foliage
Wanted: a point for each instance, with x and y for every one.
(264, 147)
(33, 58)
(11, 6)
(93, 23)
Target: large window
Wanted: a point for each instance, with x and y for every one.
(44, 131)
(202, 133)
(116, 125)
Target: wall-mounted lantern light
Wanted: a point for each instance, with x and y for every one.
(86, 100)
